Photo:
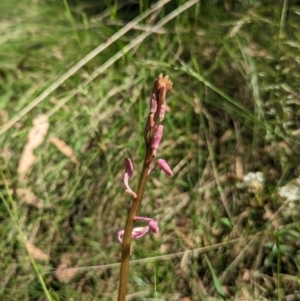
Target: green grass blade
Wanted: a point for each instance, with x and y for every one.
(13, 214)
(216, 281)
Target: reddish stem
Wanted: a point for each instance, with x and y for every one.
(130, 225)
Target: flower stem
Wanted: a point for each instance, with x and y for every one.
(130, 224)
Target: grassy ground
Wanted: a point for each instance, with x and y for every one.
(228, 218)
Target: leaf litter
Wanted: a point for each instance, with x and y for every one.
(36, 136)
(65, 149)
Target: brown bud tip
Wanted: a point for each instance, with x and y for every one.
(162, 81)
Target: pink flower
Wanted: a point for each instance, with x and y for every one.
(127, 175)
(139, 232)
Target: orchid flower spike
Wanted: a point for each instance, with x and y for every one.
(139, 232)
(127, 175)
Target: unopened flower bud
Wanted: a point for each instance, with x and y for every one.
(162, 93)
(153, 104)
(162, 112)
(156, 139)
(163, 165)
(153, 226)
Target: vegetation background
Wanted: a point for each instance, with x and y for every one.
(229, 217)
